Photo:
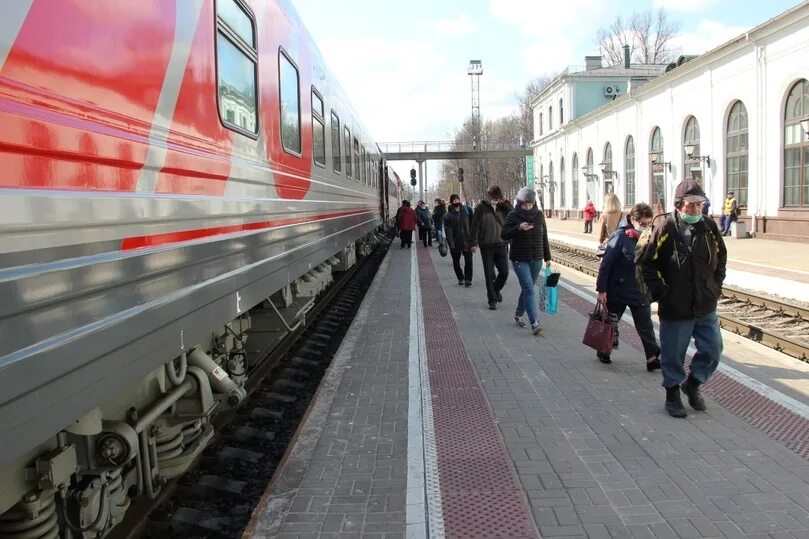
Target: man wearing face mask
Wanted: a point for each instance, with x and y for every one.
(684, 268)
(458, 228)
(487, 223)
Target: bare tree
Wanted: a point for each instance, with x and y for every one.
(649, 33)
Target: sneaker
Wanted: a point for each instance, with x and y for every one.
(652, 364)
(492, 306)
(520, 321)
(468, 283)
(603, 358)
(536, 328)
(691, 388)
(460, 282)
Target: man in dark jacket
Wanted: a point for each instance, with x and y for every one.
(487, 223)
(425, 222)
(439, 211)
(458, 230)
(684, 268)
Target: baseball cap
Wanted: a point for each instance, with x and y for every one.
(690, 191)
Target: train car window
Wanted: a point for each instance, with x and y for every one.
(236, 60)
(234, 16)
(337, 160)
(363, 160)
(318, 130)
(357, 157)
(347, 141)
(290, 105)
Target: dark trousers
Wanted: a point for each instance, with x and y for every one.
(588, 227)
(642, 316)
(407, 237)
(466, 274)
(424, 236)
(494, 258)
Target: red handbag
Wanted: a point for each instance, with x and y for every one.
(600, 330)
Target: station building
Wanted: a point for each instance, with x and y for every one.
(734, 118)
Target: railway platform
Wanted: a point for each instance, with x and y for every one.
(441, 418)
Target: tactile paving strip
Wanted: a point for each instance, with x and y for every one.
(773, 419)
(480, 494)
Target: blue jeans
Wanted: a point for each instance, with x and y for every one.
(674, 338)
(527, 273)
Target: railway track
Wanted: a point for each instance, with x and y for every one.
(769, 321)
(216, 497)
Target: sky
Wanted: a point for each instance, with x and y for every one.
(403, 64)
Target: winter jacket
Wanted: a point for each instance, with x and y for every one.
(729, 208)
(407, 218)
(589, 212)
(487, 222)
(527, 245)
(616, 274)
(607, 224)
(685, 282)
(438, 216)
(424, 219)
(458, 228)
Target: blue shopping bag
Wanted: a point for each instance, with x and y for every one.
(548, 295)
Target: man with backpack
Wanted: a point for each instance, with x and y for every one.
(487, 223)
(683, 267)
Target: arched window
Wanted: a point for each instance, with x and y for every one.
(629, 172)
(796, 146)
(657, 193)
(562, 186)
(691, 166)
(606, 165)
(574, 175)
(737, 148)
(551, 187)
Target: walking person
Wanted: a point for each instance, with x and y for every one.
(458, 229)
(616, 282)
(684, 268)
(425, 223)
(589, 215)
(729, 213)
(406, 221)
(439, 211)
(487, 223)
(525, 228)
(610, 217)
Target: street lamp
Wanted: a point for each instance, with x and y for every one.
(607, 172)
(656, 157)
(805, 126)
(588, 174)
(690, 149)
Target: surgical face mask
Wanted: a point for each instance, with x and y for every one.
(641, 229)
(691, 219)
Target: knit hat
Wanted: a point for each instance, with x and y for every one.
(527, 194)
(454, 196)
(494, 191)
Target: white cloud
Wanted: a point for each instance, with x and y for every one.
(685, 5)
(462, 25)
(538, 18)
(707, 35)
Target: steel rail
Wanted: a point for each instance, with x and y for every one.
(754, 332)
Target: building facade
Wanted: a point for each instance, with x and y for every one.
(734, 118)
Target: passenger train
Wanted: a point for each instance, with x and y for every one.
(171, 171)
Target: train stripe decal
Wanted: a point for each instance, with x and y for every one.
(139, 242)
(187, 18)
(14, 14)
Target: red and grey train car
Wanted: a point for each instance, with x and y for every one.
(166, 168)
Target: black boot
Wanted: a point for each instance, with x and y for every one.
(674, 406)
(691, 388)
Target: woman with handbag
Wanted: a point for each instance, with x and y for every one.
(616, 282)
(525, 227)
